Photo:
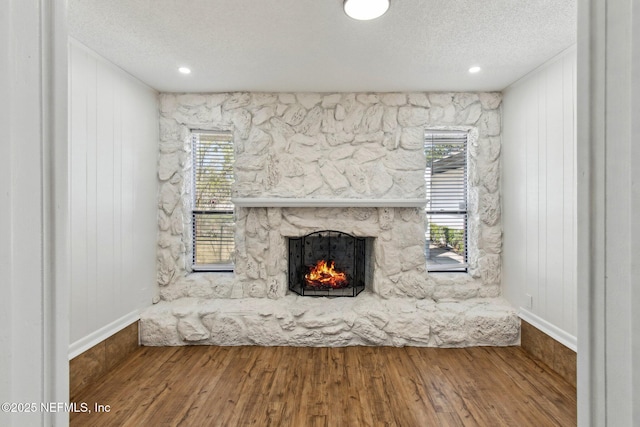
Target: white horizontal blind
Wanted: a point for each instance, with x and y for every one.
(446, 209)
(212, 215)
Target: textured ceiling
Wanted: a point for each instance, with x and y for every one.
(311, 45)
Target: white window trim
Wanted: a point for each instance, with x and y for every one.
(473, 226)
(188, 204)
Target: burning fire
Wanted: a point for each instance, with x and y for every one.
(325, 275)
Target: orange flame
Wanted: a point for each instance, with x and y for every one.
(326, 276)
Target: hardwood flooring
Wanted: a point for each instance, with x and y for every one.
(348, 386)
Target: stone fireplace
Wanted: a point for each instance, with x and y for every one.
(353, 163)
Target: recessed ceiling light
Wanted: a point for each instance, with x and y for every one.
(474, 69)
(364, 10)
(185, 70)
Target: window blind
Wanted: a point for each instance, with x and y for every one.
(446, 209)
(212, 214)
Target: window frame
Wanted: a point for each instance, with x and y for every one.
(196, 212)
(457, 136)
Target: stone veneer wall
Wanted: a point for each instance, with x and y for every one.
(348, 146)
(330, 146)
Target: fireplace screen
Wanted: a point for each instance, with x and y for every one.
(327, 263)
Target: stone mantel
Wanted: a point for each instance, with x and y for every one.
(288, 202)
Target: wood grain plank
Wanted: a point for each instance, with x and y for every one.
(350, 386)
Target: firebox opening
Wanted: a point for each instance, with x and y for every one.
(329, 263)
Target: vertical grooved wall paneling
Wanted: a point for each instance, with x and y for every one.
(539, 197)
(113, 127)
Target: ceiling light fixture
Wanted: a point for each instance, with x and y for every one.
(364, 10)
(474, 69)
(185, 70)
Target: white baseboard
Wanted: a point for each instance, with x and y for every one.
(549, 329)
(85, 343)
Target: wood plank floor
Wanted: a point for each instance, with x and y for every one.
(349, 386)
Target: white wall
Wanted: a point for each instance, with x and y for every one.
(113, 197)
(539, 197)
(608, 206)
(34, 299)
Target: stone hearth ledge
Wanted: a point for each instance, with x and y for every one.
(366, 319)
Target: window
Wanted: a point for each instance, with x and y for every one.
(446, 209)
(212, 214)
